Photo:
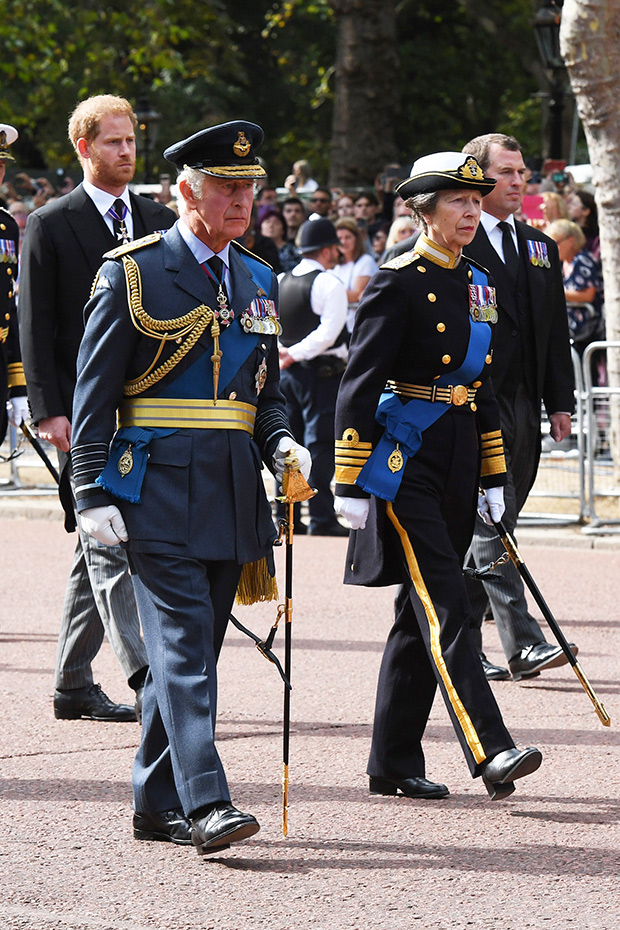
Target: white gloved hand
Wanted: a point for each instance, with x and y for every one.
(283, 448)
(105, 524)
(354, 510)
(491, 505)
(17, 409)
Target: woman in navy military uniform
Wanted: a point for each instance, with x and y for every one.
(418, 431)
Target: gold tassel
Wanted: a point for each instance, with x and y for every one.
(216, 357)
(256, 584)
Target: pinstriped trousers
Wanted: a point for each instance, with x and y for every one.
(99, 600)
(516, 627)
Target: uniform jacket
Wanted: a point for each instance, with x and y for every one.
(202, 494)
(12, 381)
(544, 288)
(412, 325)
(62, 251)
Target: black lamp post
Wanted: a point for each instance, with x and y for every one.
(148, 121)
(547, 32)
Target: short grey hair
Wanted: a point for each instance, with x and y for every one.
(195, 179)
(422, 203)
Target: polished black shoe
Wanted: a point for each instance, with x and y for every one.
(500, 772)
(494, 672)
(91, 703)
(138, 703)
(328, 529)
(533, 659)
(223, 825)
(409, 787)
(165, 826)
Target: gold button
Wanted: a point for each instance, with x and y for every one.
(474, 407)
(2, 226)
(441, 327)
(488, 359)
(7, 316)
(446, 359)
(432, 298)
(421, 268)
(232, 395)
(179, 340)
(10, 294)
(469, 273)
(477, 384)
(436, 376)
(9, 271)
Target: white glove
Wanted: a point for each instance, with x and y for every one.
(354, 510)
(105, 524)
(491, 505)
(283, 448)
(17, 409)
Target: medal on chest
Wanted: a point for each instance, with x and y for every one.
(538, 253)
(482, 303)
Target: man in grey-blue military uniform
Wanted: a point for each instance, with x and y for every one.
(180, 339)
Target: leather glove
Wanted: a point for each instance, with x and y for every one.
(354, 510)
(491, 505)
(105, 524)
(283, 448)
(17, 409)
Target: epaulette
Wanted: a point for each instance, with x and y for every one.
(127, 247)
(401, 261)
(242, 248)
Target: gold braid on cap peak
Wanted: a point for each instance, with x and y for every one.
(192, 325)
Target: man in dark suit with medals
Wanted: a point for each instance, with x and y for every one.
(12, 381)
(63, 248)
(531, 362)
(181, 341)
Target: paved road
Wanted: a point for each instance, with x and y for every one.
(547, 858)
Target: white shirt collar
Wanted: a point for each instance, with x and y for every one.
(490, 222)
(102, 199)
(199, 249)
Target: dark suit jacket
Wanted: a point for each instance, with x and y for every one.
(63, 246)
(545, 292)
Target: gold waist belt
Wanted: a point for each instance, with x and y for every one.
(457, 394)
(176, 413)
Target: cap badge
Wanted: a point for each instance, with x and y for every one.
(242, 146)
(2, 139)
(471, 170)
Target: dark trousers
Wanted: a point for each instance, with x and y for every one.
(430, 643)
(310, 406)
(184, 606)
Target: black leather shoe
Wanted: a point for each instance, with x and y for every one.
(500, 773)
(91, 703)
(138, 703)
(494, 672)
(409, 787)
(329, 529)
(165, 826)
(223, 825)
(533, 659)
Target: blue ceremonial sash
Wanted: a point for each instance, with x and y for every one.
(405, 423)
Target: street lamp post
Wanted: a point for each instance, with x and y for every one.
(148, 121)
(547, 32)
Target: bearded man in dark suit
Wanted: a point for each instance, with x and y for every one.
(531, 363)
(63, 248)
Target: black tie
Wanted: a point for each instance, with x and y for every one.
(511, 259)
(117, 211)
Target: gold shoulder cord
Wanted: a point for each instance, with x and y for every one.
(192, 325)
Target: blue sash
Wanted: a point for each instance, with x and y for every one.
(405, 423)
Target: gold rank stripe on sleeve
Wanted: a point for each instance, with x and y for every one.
(17, 378)
(351, 456)
(493, 459)
(4, 333)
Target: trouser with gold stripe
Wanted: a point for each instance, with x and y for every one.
(430, 642)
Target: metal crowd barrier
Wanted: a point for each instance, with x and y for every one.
(603, 482)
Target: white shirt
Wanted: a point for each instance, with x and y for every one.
(328, 299)
(103, 201)
(491, 228)
(201, 251)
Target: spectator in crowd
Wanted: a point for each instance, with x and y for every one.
(313, 353)
(356, 266)
(261, 245)
(273, 227)
(301, 180)
(366, 209)
(402, 228)
(294, 214)
(553, 206)
(582, 210)
(583, 283)
(345, 206)
(320, 203)
(20, 212)
(379, 240)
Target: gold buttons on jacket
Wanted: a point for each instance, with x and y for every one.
(474, 407)
(232, 395)
(470, 274)
(421, 268)
(441, 327)
(7, 316)
(2, 226)
(432, 298)
(9, 271)
(488, 360)
(446, 359)
(477, 384)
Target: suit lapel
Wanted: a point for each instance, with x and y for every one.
(93, 236)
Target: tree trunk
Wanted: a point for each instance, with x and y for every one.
(364, 107)
(589, 44)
